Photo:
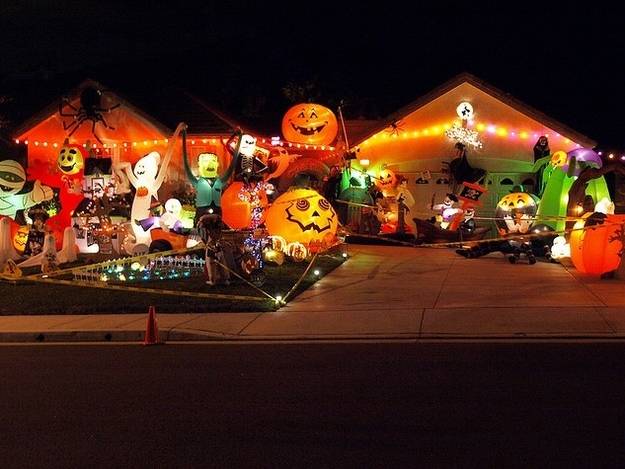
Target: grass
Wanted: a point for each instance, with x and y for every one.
(30, 298)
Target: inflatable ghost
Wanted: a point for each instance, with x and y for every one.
(147, 178)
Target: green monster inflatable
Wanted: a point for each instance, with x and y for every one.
(559, 171)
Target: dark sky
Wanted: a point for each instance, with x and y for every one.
(239, 55)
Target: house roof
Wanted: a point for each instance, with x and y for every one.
(486, 88)
(163, 110)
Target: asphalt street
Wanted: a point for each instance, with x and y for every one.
(313, 405)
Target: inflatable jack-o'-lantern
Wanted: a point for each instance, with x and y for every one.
(236, 210)
(596, 243)
(70, 160)
(20, 239)
(515, 213)
(309, 123)
(301, 215)
(386, 181)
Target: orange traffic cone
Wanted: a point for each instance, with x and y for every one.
(151, 329)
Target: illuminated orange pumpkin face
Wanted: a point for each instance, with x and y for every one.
(558, 159)
(310, 123)
(20, 239)
(70, 160)
(386, 179)
(302, 216)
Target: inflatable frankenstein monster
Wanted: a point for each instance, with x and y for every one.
(557, 174)
(208, 184)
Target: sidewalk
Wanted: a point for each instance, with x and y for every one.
(384, 292)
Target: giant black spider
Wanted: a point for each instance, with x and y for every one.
(90, 109)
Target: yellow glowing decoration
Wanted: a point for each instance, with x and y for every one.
(309, 123)
(70, 160)
(271, 255)
(387, 180)
(558, 159)
(20, 239)
(301, 215)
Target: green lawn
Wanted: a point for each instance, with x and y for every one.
(26, 297)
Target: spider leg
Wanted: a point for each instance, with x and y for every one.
(101, 118)
(77, 123)
(93, 132)
(65, 102)
(70, 125)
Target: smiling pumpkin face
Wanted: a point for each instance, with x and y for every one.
(386, 180)
(515, 213)
(70, 160)
(302, 216)
(310, 123)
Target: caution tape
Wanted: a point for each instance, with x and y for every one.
(521, 237)
(158, 291)
(294, 287)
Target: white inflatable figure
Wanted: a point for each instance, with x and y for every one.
(69, 249)
(246, 153)
(7, 251)
(520, 224)
(447, 210)
(605, 206)
(170, 220)
(560, 248)
(147, 178)
(12, 180)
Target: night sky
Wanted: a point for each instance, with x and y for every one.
(239, 56)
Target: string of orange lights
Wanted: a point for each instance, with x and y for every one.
(193, 142)
(488, 128)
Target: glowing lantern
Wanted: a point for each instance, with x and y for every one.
(271, 255)
(309, 123)
(597, 249)
(297, 251)
(236, 211)
(278, 243)
(301, 215)
(70, 160)
(386, 181)
(515, 213)
(20, 239)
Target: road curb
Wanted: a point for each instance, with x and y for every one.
(186, 335)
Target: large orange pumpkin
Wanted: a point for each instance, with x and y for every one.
(310, 123)
(237, 212)
(597, 249)
(301, 216)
